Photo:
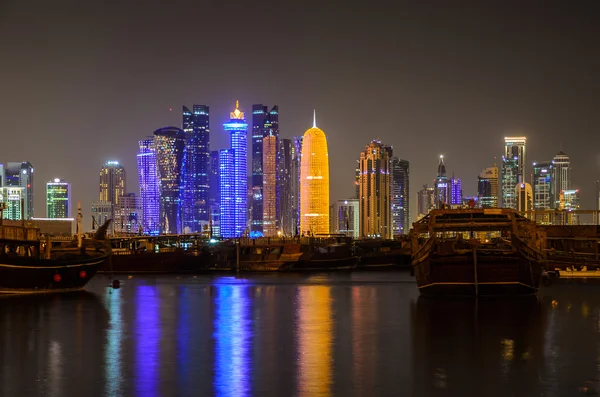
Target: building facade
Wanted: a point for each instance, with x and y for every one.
(101, 212)
(215, 195)
(285, 179)
(314, 182)
(425, 201)
(524, 196)
(456, 193)
(441, 185)
(20, 174)
(196, 173)
(169, 145)
(112, 182)
(270, 186)
(375, 191)
(234, 180)
(561, 176)
(11, 197)
(400, 196)
(149, 187)
(487, 187)
(296, 163)
(543, 186)
(58, 199)
(128, 215)
(345, 218)
(513, 169)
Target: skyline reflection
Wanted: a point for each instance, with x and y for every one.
(148, 333)
(314, 335)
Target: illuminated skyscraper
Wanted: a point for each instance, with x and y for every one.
(12, 196)
(264, 123)
(234, 180)
(487, 187)
(112, 182)
(441, 185)
(20, 174)
(569, 201)
(169, 144)
(194, 202)
(400, 197)
(269, 168)
(58, 199)
(456, 193)
(513, 169)
(285, 182)
(561, 176)
(215, 194)
(543, 186)
(296, 162)
(149, 186)
(128, 214)
(425, 201)
(314, 182)
(375, 191)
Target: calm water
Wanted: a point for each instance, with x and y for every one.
(361, 334)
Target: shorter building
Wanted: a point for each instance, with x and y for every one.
(58, 199)
(101, 212)
(345, 218)
(569, 201)
(487, 187)
(524, 196)
(425, 201)
(56, 227)
(128, 215)
(13, 199)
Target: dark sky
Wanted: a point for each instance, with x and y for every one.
(82, 81)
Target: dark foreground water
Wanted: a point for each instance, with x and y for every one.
(361, 334)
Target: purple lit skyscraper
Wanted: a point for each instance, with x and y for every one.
(149, 187)
(456, 195)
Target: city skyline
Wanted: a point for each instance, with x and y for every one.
(449, 77)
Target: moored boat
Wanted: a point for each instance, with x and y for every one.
(28, 264)
(476, 253)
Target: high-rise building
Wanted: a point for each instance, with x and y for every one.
(285, 182)
(264, 123)
(58, 199)
(128, 214)
(270, 197)
(234, 181)
(314, 182)
(561, 176)
(296, 162)
(569, 201)
(524, 196)
(112, 182)
(513, 169)
(425, 201)
(487, 187)
(456, 193)
(375, 191)
(12, 196)
(169, 145)
(149, 187)
(20, 174)
(215, 195)
(345, 218)
(400, 196)
(1, 175)
(543, 186)
(357, 180)
(194, 201)
(441, 186)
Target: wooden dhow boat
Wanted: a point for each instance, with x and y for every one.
(476, 252)
(29, 264)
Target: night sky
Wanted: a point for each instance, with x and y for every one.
(82, 81)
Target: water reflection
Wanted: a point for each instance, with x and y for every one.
(314, 340)
(468, 347)
(147, 337)
(112, 361)
(233, 336)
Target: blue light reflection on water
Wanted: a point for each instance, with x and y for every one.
(147, 352)
(114, 337)
(183, 337)
(233, 337)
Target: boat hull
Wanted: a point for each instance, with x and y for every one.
(491, 274)
(25, 275)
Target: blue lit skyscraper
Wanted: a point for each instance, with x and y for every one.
(234, 180)
(194, 206)
(149, 186)
(169, 143)
(456, 194)
(214, 197)
(442, 188)
(400, 196)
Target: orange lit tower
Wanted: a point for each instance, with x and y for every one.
(314, 182)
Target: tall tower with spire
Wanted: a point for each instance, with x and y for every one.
(314, 182)
(442, 189)
(234, 179)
